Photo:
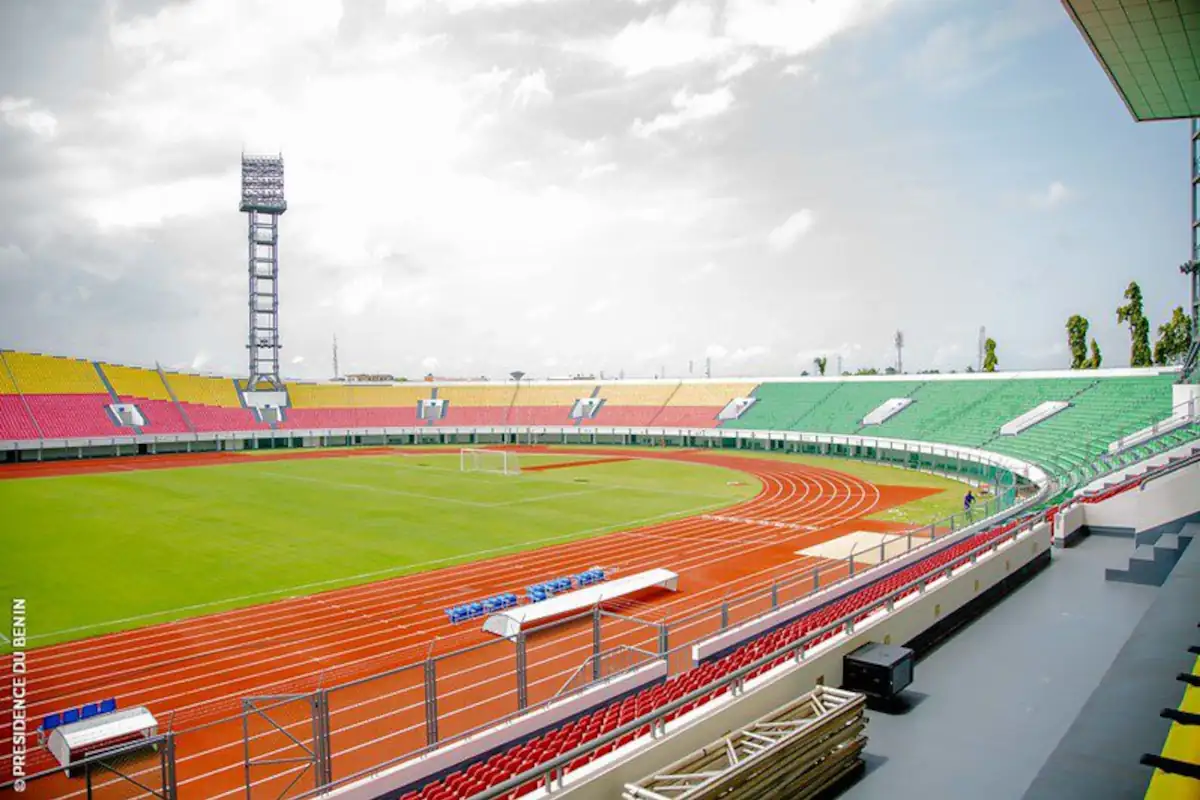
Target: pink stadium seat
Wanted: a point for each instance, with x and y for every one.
(524, 757)
(307, 418)
(15, 422)
(215, 418)
(624, 416)
(687, 417)
(162, 416)
(466, 416)
(540, 415)
(387, 417)
(63, 416)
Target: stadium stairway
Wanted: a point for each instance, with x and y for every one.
(1155, 556)
(146, 389)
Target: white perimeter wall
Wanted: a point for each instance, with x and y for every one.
(1157, 502)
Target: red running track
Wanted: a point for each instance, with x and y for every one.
(198, 669)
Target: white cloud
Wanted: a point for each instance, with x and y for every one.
(791, 230)
(597, 170)
(749, 353)
(429, 363)
(1052, 196)
(656, 353)
(22, 113)
(716, 351)
(744, 64)
(689, 108)
(532, 89)
(790, 27)
(683, 35)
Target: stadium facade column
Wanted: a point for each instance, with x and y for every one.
(263, 203)
(1192, 268)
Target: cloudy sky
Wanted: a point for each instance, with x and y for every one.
(477, 186)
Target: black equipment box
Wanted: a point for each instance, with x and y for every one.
(878, 670)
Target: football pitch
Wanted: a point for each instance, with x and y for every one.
(103, 552)
(96, 553)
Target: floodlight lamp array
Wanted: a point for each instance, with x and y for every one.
(262, 184)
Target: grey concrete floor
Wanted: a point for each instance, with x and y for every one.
(989, 706)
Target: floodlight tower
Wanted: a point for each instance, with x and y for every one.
(263, 202)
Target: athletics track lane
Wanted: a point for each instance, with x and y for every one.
(194, 665)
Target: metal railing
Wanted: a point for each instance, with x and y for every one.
(982, 525)
(551, 772)
(511, 694)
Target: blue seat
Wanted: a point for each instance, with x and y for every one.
(88, 711)
(70, 715)
(108, 706)
(51, 721)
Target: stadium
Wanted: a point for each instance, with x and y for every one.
(227, 585)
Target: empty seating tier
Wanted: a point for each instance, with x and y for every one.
(319, 395)
(203, 390)
(782, 406)
(136, 382)
(38, 374)
(15, 422)
(547, 405)
(481, 396)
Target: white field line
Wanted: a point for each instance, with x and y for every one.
(5, 638)
(369, 632)
(343, 642)
(422, 565)
(375, 740)
(72, 651)
(706, 593)
(74, 648)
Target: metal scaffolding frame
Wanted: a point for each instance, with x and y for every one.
(264, 203)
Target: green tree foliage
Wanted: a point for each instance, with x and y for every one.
(1095, 358)
(820, 363)
(1174, 339)
(1077, 328)
(870, 371)
(1139, 327)
(990, 362)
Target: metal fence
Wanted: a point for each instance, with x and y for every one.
(305, 734)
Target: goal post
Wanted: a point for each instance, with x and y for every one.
(497, 461)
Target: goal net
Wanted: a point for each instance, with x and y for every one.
(498, 461)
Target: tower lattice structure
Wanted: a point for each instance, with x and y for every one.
(263, 203)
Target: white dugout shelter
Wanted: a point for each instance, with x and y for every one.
(77, 740)
(512, 621)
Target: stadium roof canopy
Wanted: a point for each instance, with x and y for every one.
(1150, 50)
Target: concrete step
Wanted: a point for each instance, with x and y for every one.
(1150, 564)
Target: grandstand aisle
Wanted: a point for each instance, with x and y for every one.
(1015, 679)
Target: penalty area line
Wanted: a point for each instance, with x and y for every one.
(393, 571)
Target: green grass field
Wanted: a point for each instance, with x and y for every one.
(97, 553)
(155, 545)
